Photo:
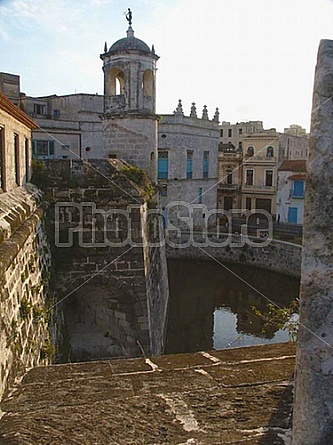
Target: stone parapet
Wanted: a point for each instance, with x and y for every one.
(276, 255)
(24, 276)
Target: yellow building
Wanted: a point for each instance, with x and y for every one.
(260, 161)
(230, 177)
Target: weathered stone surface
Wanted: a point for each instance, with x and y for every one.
(279, 256)
(232, 397)
(108, 274)
(313, 419)
(24, 275)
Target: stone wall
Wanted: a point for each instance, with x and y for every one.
(25, 305)
(274, 255)
(132, 139)
(313, 413)
(107, 276)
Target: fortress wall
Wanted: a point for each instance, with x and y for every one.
(24, 275)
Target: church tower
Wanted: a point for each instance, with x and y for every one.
(130, 121)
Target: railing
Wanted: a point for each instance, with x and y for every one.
(255, 158)
(231, 187)
(261, 187)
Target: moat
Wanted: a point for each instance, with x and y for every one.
(211, 307)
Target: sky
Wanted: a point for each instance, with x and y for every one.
(253, 59)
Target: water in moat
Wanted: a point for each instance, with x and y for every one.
(211, 307)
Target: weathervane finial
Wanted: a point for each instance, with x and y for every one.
(129, 17)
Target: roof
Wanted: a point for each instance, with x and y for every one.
(296, 177)
(129, 43)
(8, 106)
(224, 396)
(298, 165)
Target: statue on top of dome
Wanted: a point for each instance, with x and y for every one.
(129, 17)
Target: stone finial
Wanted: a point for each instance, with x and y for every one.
(217, 115)
(153, 49)
(205, 113)
(105, 47)
(179, 109)
(193, 111)
(130, 32)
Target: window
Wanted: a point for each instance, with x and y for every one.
(206, 164)
(27, 160)
(264, 204)
(43, 149)
(115, 82)
(17, 158)
(2, 158)
(240, 145)
(221, 133)
(229, 177)
(240, 131)
(39, 109)
(269, 178)
(200, 195)
(250, 151)
(270, 152)
(148, 83)
(163, 165)
(298, 189)
(248, 203)
(56, 114)
(230, 133)
(164, 191)
(249, 177)
(228, 202)
(189, 161)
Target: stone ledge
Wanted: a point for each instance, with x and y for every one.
(15, 207)
(234, 396)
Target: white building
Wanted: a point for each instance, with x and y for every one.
(187, 166)
(291, 190)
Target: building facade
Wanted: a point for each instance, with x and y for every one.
(260, 162)
(294, 144)
(230, 172)
(69, 127)
(234, 133)
(187, 167)
(291, 191)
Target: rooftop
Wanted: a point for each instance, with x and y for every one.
(298, 165)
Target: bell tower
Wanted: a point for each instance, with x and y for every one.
(130, 121)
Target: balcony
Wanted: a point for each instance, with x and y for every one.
(259, 158)
(259, 188)
(229, 187)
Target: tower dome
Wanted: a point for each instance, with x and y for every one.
(129, 76)
(129, 43)
(130, 120)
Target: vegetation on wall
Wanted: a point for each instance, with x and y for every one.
(140, 178)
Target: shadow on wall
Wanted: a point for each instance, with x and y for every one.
(100, 322)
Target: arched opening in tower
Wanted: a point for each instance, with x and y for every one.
(116, 82)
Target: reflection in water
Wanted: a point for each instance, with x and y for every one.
(211, 308)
